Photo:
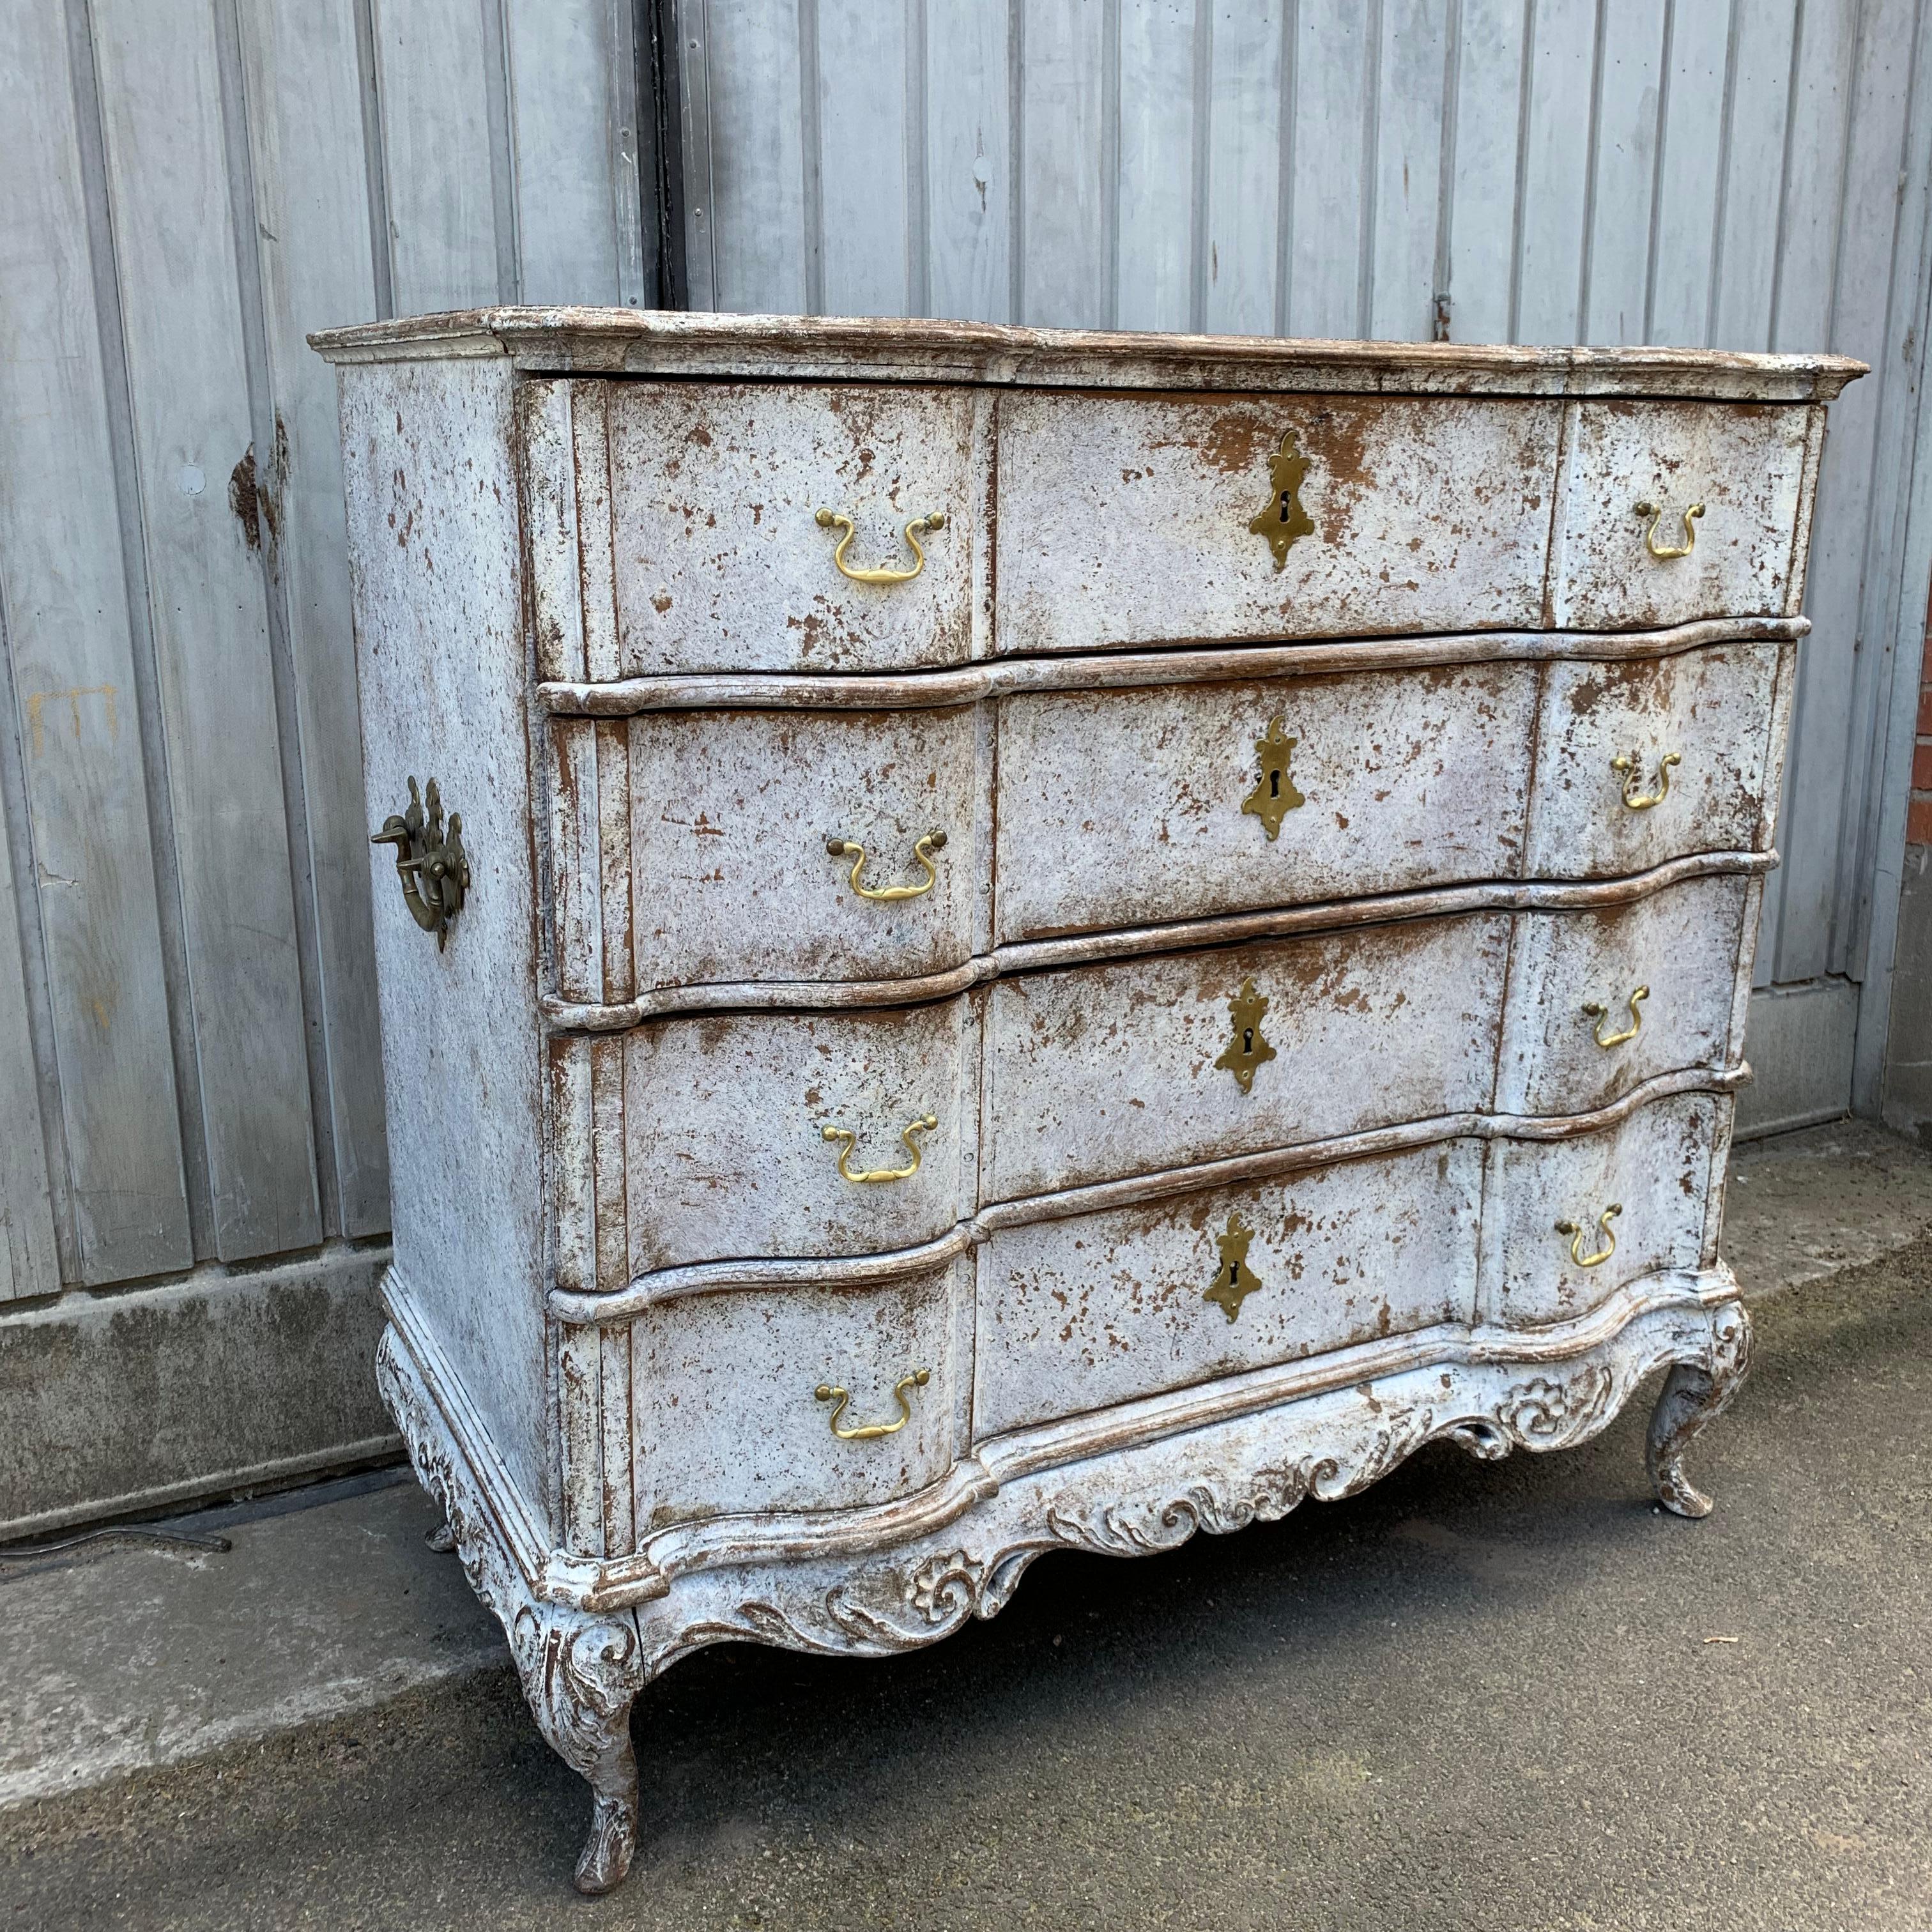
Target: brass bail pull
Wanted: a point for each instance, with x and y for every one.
(1605, 1232)
(1663, 553)
(1601, 1014)
(870, 1432)
(925, 1124)
(1635, 796)
(837, 520)
(847, 848)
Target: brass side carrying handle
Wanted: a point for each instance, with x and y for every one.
(925, 1124)
(870, 1432)
(1663, 553)
(430, 863)
(846, 848)
(1635, 796)
(1603, 1229)
(837, 520)
(1601, 1014)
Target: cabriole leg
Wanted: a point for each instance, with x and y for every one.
(1694, 1394)
(580, 1675)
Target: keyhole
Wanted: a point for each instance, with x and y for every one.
(1274, 784)
(1247, 1039)
(1235, 1267)
(1285, 499)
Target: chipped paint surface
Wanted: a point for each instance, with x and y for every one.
(1124, 808)
(1079, 1314)
(717, 562)
(726, 1417)
(1744, 463)
(1127, 520)
(1712, 708)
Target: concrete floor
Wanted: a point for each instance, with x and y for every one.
(1475, 1697)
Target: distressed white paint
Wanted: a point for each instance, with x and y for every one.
(1125, 521)
(1712, 710)
(1745, 466)
(1656, 1167)
(1741, 177)
(627, 1258)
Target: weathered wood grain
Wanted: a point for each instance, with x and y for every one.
(72, 704)
(315, 250)
(188, 383)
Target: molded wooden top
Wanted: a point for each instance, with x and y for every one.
(650, 342)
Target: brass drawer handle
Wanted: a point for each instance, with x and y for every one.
(870, 1432)
(933, 841)
(1601, 1014)
(924, 1124)
(1603, 1227)
(837, 520)
(1663, 553)
(1635, 796)
(431, 863)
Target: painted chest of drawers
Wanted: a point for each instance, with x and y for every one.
(995, 941)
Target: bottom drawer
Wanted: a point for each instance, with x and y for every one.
(1080, 1314)
(1660, 1170)
(727, 1417)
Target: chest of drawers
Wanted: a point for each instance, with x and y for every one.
(995, 941)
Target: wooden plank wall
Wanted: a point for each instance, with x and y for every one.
(1735, 174)
(190, 1068)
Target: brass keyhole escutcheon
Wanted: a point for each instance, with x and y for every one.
(431, 862)
(1274, 795)
(1234, 1281)
(1247, 1051)
(1284, 520)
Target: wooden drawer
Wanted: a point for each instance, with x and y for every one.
(1657, 1167)
(1076, 1315)
(725, 1415)
(1744, 462)
(1101, 1072)
(691, 847)
(673, 525)
(741, 1119)
(1126, 808)
(1694, 735)
(1127, 520)
(1683, 949)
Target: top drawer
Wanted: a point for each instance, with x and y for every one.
(1130, 519)
(1669, 511)
(673, 527)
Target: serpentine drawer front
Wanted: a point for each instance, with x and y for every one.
(992, 940)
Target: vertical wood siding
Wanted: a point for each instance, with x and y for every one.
(1731, 174)
(190, 1069)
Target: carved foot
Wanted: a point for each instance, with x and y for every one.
(442, 1539)
(580, 1674)
(1693, 1395)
